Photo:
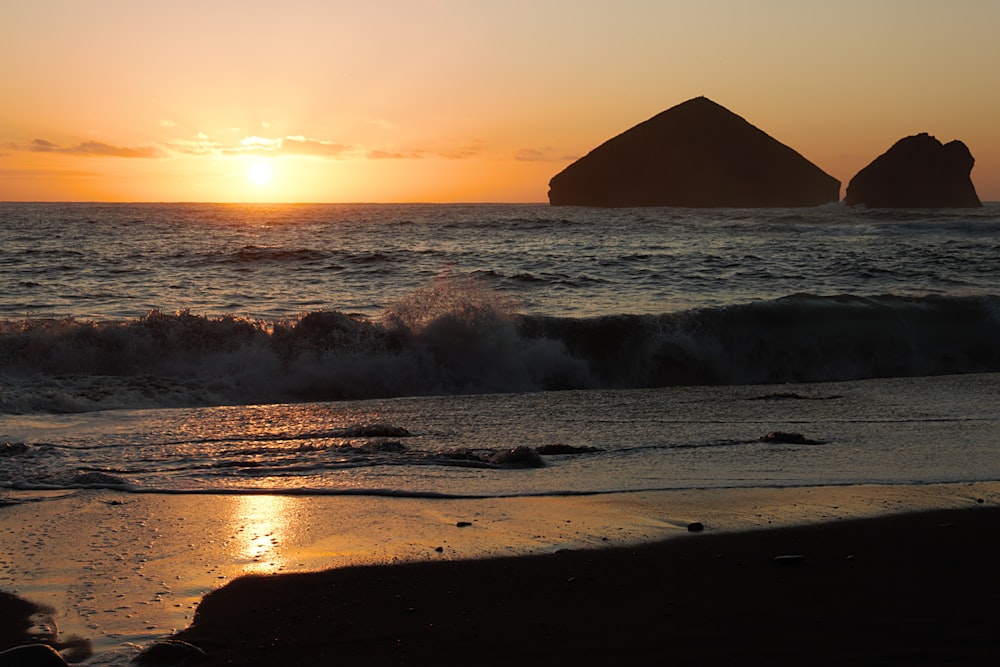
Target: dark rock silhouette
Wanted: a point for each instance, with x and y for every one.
(169, 653)
(29, 636)
(518, 457)
(558, 449)
(917, 172)
(696, 154)
(789, 438)
(31, 655)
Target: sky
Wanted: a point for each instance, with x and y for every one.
(461, 100)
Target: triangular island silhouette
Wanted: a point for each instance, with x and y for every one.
(696, 154)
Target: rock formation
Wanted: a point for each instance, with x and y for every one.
(697, 154)
(917, 172)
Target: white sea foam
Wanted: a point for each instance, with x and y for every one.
(466, 340)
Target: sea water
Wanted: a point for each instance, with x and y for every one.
(406, 349)
(488, 352)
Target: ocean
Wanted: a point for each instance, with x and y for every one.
(477, 351)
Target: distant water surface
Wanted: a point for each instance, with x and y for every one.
(118, 261)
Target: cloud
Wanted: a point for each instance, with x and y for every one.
(300, 145)
(98, 148)
(41, 146)
(164, 122)
(94, 148)
(471, 149)
(541, 155)
(253, 144)
(394, 155)
(465, 152)
(202, 145)
(199, 146)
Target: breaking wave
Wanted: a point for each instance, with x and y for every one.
(453, 338)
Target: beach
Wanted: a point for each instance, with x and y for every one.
(572, 580)
(911, 589)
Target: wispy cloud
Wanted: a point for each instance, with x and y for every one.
(257, 145)
(203, 145)
(94, 148)
(40, 146)
(541, 155)
(300, 145)
(380, 154)
(469, 150)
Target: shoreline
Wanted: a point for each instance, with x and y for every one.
(125, 570)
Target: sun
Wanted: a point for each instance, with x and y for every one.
(260, 173)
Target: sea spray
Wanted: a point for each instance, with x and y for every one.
(452, 337)
(457, 337)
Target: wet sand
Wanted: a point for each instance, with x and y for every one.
(588, 579)
(912, 589)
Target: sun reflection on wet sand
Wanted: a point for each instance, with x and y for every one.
(261, 524)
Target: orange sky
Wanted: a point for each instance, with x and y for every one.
(460, 100)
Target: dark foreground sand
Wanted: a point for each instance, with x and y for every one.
(920, 588)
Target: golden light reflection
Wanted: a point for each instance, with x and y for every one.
(261, 526)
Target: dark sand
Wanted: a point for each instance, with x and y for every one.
(910, 589)
(920, 588)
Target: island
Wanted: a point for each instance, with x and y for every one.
(696, 154)
(917, 172)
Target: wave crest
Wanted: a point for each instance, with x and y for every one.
(453, 338)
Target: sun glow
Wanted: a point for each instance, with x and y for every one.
(260, 173)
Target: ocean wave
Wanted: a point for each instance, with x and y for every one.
(460, 339)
